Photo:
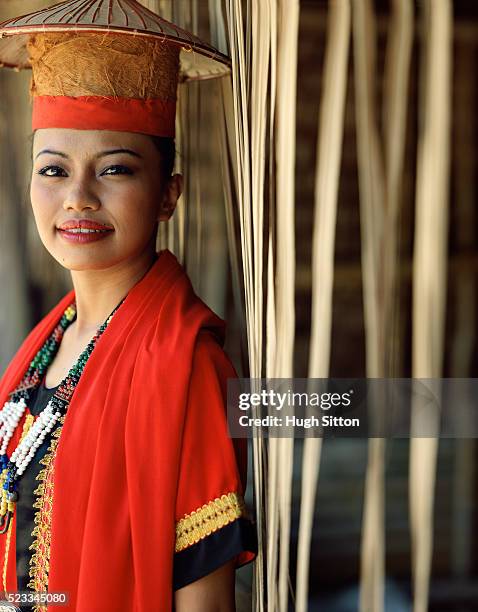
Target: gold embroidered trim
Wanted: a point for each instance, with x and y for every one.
(40, 560)
(208, 518)
(29, 419)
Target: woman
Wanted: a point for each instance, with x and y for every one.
(115, 401)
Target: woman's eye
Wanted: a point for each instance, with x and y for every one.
(112, 170)
(52, 171)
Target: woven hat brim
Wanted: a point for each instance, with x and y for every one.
(198, 60)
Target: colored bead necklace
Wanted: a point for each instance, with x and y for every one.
(12, 411)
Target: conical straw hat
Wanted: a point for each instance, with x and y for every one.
(198, 60)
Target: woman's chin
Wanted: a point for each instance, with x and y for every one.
(101, 256)
(80, 263)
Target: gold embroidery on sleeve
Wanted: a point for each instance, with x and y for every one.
(217, 513)
(29, 419)
(40, 560)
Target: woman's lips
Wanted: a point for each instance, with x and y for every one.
(82, 235)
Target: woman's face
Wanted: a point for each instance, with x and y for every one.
(112, 179)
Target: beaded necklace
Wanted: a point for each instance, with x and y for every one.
(12, 411)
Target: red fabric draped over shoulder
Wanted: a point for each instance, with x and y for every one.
(120, 456)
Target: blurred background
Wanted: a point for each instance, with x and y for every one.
(434, 246)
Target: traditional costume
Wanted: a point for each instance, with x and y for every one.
(140, 489)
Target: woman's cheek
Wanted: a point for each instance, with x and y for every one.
(37, 198)
(44, 206)
(138, 210)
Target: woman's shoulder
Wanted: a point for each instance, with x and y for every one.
(211, 371)
(210, 356)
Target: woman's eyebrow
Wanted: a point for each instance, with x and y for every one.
(116, 151)
(103, 154)
(51, 152)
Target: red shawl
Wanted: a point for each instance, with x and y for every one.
(129, 466)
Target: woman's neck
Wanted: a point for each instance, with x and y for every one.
(98, 292)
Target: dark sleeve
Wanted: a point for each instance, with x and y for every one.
(213, 525)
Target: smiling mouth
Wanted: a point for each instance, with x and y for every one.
(83, 235)
(82, 230)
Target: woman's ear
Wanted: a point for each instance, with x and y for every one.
(172, 191)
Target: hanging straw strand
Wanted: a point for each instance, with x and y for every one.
(329, 157)
(429, 274)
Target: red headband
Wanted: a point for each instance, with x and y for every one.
(150, 116)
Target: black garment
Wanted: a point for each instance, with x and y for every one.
(189, 565)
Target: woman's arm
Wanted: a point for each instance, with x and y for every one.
(213, 593)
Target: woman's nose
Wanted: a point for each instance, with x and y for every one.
(81, 196)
